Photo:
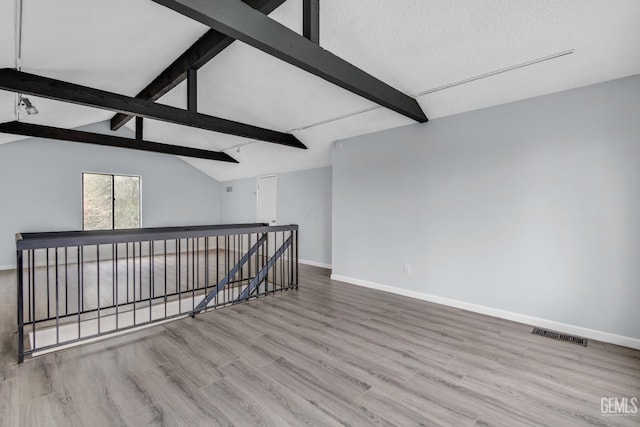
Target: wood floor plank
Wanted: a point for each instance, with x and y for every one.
(289, 405)
(167, 387)
(339, 377)
(155, 415)
(38, 377)
(458, 396)
(105, 415)
(327, 400)
(46, 411)
(8, 351)
(82, 379)
(574, 409)
(238, 407)
(403, 408)
(9, 403)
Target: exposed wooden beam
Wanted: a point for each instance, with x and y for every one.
(139, 128)
(31, 84)
(201, 52)
(235, 19)
(192, 90)
(39, 131)
(311, 20)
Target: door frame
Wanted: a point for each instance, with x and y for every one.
(272, 175)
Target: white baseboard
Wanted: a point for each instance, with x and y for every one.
(502, 314)
(7, 267)
(314, 263)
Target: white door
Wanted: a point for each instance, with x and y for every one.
(267, 199)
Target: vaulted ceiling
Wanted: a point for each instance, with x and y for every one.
(413, 45)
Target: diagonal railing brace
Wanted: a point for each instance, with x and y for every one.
(225, 281)
(263, 273)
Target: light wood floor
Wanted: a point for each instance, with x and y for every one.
(327, 354)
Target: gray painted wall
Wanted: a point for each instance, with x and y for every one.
(41, 187)
(239, 205)
(304, 198)
(531, 207)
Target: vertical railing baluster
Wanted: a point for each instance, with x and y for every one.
(193, 275)
(227, 261)
(113, 274)
(178, 274)
(240, 253)
(48, 285)
(206, 265)
(274, 280)
(153, 267)
(79, 290)
(117, 285)
(33, 299)
(98, 281)
(140, 270)
(66, 281)
(259, 264)
(187, 262)
(250, 258)
(57, 302)
(217, 265)
(20, 296)
(265, 256)
(29, 284)
(150, 279)
(133, 275)
(165, 278)
(127, 257)
(285, 266)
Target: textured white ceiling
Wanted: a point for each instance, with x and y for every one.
(414, 45)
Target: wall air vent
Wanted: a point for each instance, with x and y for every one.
(561, 337)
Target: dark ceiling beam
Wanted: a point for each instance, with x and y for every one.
(39, 131)
(139, 128)
(235, 19)
(201, 52)
(311, 20)
(192, 90)
(17, 81)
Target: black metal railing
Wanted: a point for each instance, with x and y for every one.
(80, 285)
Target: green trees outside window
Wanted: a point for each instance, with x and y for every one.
(110, 202)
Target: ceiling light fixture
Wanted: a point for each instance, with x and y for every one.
(237, 148)
(23, 105)
(27, 106)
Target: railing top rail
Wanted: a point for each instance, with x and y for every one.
(58, 239)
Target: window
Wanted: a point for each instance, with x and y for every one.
(110, 202)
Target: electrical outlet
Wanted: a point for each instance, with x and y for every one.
(407, 269)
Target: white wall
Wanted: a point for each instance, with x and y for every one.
(41, 187)
(531, 207)
(304, 198)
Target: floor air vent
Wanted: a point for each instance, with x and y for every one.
(558, 336)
